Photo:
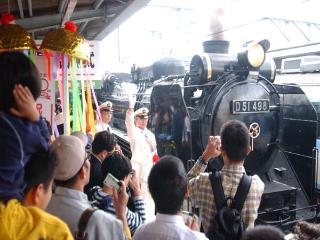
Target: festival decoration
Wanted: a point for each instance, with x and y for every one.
(68, 41)
(72, 48)
(13, 37)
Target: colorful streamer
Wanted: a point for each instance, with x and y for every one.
(95, 100)
(31, 55)
(83, 125)
(65, 90)
(90, 110)
(55, 129)
(75, 97)
(48, 57)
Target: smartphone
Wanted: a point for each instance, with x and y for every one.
(111, 182)
(219, 142)
(186, 215)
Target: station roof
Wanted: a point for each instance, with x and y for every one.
(95, 19)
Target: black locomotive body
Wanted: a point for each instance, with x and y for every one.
(186, 109)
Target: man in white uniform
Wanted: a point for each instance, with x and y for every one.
(106, 112)
(143, 148)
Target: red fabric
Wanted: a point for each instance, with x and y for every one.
(155, 158)
(70, 26)
(88, 127)
(48, 56)
(7, 18)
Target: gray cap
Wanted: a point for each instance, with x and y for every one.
(81, 136)
(70, 153)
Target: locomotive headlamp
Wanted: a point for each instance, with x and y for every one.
(254, 54)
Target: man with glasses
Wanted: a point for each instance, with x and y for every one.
(106, 112)
(143, 148)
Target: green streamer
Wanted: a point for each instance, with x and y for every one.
(75, 97)
(82, 123)
(31, 55)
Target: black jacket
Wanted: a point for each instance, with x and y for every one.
(95, 176)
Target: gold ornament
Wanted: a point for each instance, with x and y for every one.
(15, 37)
(67, 42)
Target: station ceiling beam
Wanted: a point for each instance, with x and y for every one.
(20, 8)
(132, 8)
(30, 8)
(68, 11)
(96, 5)
(35, 24)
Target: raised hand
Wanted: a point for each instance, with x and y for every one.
(134, 184)
(131, 100)
(193, 223)
(213, 148)
(120, 200)
(25, 106)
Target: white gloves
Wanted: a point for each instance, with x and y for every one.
(131, 100)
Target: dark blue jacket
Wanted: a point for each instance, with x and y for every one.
(19, 139)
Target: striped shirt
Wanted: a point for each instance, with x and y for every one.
(200, 191)
(104, 202)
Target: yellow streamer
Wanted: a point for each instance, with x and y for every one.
(90, 109)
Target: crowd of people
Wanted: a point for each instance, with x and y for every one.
(58, 189)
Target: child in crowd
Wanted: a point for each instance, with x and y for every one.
(120, 167)
(22, 130)
(39, 174)
(22, 133)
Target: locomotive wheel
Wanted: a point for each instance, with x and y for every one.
(254, 130)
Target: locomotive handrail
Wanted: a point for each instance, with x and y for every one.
(275, 222)
(286, 213)
(209, 84)
(315, 155)
(156, 81)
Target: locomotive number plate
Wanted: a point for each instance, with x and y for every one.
(250, 106)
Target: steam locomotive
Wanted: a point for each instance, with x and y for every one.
(186, 108)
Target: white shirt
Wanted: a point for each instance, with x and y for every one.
(101, 126)
(143, 147)
(68, 204)
(167, 227)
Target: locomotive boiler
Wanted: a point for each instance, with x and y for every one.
(281, 121)
(187, 108)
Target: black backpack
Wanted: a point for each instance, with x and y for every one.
(81, 233)
(228, 223)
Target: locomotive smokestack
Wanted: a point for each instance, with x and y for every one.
(216, 46)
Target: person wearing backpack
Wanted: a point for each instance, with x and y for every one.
(234, 146)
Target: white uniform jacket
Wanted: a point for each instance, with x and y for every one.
(101, 126)
(143, 148)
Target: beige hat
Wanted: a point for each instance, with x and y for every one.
(70, 154)
(81, 136)
(106, 106)
(141, 113)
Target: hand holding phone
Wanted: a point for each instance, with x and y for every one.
(111, 182)
(187, 216)
(120, 201)
(191, 220)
